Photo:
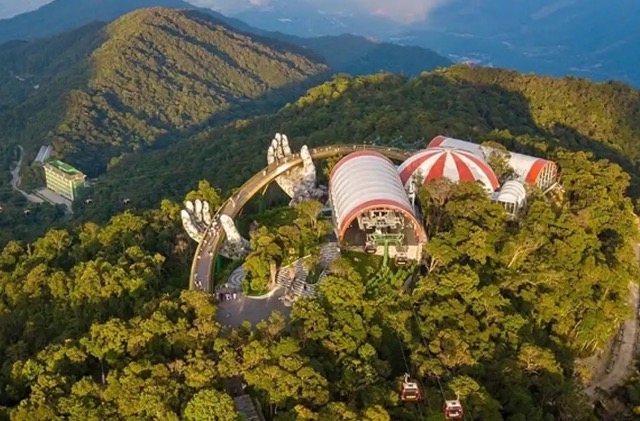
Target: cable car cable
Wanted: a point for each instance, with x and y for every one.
(424, 340)
(406, 364)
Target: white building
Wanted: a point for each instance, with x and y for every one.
(371, 209)
(513, 196)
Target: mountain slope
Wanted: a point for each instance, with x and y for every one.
(149, 75)
(527, 113)
(358, 55)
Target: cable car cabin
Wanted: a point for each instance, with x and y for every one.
(453, 410)
(401, 260)
(410, 390)
(370, 248)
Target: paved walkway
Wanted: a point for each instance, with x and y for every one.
(15, 180)
(234, 312)
(237, 276)
(622, 354)
(254, 309)
(54, 198)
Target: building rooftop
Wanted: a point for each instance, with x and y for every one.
(64, 167)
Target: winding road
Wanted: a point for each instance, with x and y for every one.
(202, 268)
(15, 179)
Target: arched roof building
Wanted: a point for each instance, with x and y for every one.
(454, 164)
(367, 181)
(530, 170)
(512, 196)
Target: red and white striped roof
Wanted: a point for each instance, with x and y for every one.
(367, 180)
(530, 169)
(455, 164)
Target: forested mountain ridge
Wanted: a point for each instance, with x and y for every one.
(344, 53)
(357, 55)
(527, 113)
(156, 72)
(153, 77)
(103, 90)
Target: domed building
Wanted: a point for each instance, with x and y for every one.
(371, 210)
(455, 164)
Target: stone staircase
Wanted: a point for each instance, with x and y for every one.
(299, 287)
(328, 253)
(282, 278)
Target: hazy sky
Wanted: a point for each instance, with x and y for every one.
(10, 8)
(401, 10)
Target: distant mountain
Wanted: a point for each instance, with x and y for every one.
(345, 53)
(104, 90)
(303, 19)
(586, 38)
(594, 39)
(357, 55)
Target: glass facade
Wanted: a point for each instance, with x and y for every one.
(63, 179)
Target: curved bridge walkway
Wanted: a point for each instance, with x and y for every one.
(202, 267)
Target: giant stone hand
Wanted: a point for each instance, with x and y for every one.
(235, 246)
(196, 218)
(298, 183)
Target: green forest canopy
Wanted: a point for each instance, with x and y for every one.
(93, 316)
(526, 113)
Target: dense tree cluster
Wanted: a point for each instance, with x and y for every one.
(512, 305)
(93, 316)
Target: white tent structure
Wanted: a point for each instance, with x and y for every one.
(512, 196)
(370, 206)
(530, 170)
